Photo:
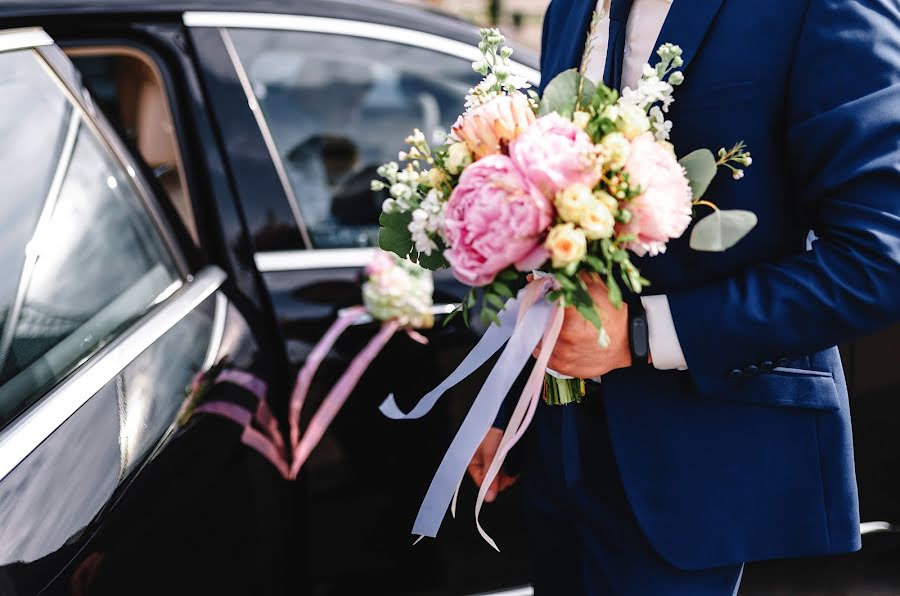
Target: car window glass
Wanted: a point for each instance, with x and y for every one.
(339, 106)
(81, 258)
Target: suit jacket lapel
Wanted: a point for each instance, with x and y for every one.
(569, 36)
(686, 26)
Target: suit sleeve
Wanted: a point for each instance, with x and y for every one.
(843, 137)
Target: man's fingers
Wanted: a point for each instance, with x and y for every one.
(493, 491)
(476, 471)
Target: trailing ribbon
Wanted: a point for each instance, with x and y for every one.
(270, 443)
(302, 446)
(525, 322)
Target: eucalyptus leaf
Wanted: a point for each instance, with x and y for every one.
(701, 169)
(561, 94)
(721, 230)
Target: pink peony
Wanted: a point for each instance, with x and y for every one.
(555, 154)
(495, 218)
(487, 128)
(663, 211)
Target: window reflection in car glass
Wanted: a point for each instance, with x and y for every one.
(89, 263)
(338, 107)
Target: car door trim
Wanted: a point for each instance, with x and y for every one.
(305, 260)
(346, 27)
(23, 39)
(19, 439)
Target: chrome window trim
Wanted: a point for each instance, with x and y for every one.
(520, 591)
(349, 27)
(28, 431)
(220, 316)
(64, 74)
(306, 260)
(32, 249)
(269, 140)
(23, 39)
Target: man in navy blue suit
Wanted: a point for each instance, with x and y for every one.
(730, 441)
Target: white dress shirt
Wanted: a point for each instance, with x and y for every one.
(644, 25)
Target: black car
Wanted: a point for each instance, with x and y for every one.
(184, 187)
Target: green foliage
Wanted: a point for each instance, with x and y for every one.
(721, 230)
(394, 235)
(701, 169)
(562, 94)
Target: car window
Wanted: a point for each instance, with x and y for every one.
(338, 106)
(80, 256)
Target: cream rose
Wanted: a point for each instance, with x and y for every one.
(574, 203)
(607, 201)
(458, 157)
(567, 245)
(598, 223)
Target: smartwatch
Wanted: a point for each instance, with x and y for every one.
(638, 335)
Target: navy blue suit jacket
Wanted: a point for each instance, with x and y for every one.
(732, 461)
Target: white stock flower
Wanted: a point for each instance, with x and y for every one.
(427, 222)
(630, 119)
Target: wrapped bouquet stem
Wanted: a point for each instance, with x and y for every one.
(566, 186)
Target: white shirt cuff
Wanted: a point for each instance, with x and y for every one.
(664, 345)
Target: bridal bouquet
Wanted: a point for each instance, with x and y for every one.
(564, 186)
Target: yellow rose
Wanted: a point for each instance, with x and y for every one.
(598, 223)
(573, 203)
(458, 157)
(567, 245)
(615, 149)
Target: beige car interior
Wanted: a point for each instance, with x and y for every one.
(146, 117)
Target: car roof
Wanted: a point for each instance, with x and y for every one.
(379, 10)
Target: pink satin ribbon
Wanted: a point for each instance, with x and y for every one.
(270, 443)
(338, 395)
(315, 358)
(303, 446)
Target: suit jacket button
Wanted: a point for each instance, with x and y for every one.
(735, 374)
(751, 371)
(767, 366)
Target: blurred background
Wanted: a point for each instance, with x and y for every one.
(519, 19)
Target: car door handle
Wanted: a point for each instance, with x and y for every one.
(437, 310)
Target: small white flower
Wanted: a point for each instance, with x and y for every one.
(738, 174)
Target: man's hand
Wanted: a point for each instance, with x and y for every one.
(478, 467)
(577, 353)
